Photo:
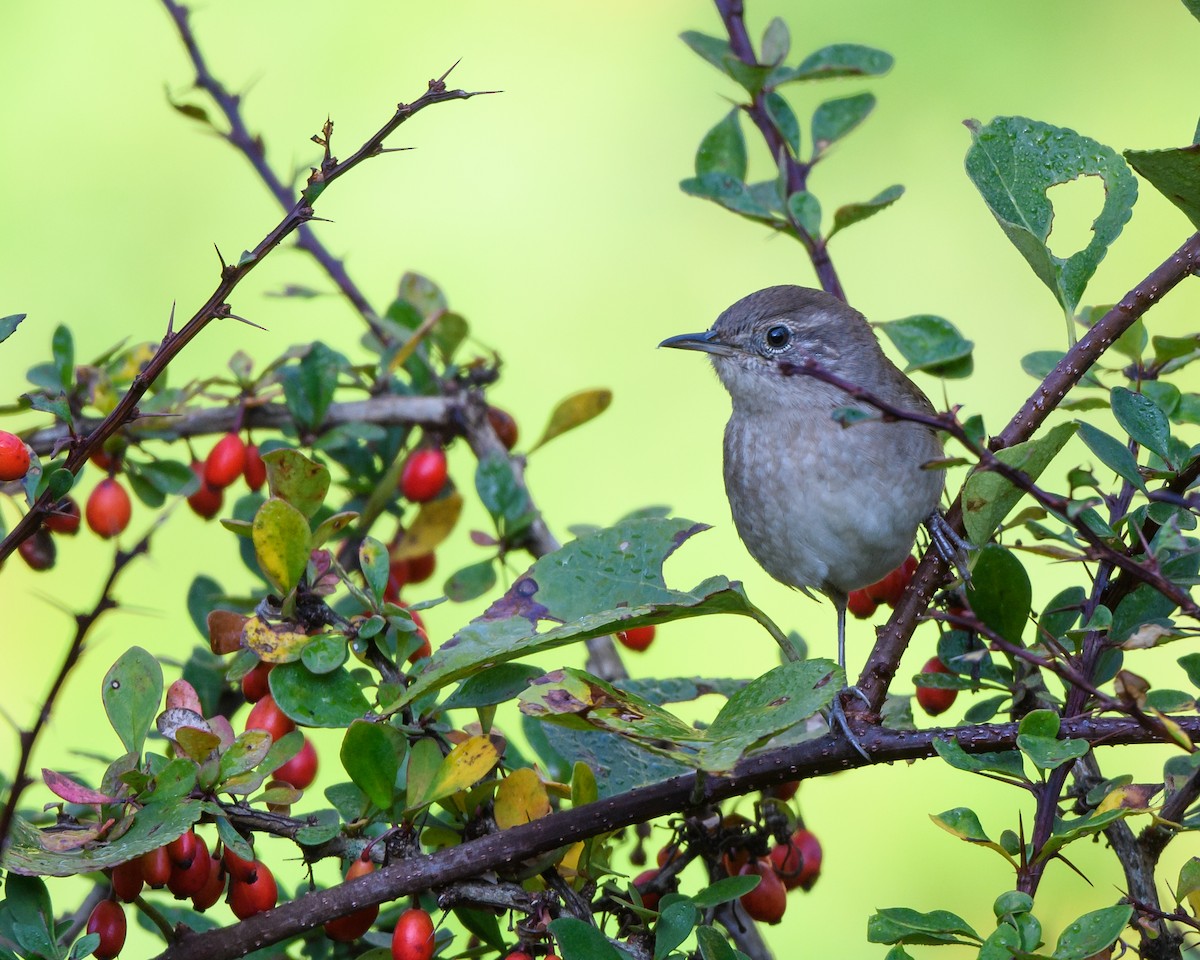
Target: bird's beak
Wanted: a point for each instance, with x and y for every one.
(706, 342)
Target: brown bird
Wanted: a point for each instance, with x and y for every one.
(819, 505)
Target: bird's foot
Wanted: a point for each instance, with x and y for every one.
(838, 719)
(951, 547)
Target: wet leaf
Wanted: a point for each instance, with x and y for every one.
(371, 753)
(1014, 161)
(521, 798)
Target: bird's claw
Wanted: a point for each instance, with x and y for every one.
(838, 718)
(951, 547)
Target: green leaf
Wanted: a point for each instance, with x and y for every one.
(1141, 418)
(602, 582)
(730, 192)
(505, 499)
(493, 686)
(62, 347)
(203, 596)
(309, 385)
(581, 941)
(932, 344)
(902, 925)
(154, 825)
(776, 42)
(1061, 613)
(166, 476)
(317, 700)
(31, 914)
(371, 753)
(852, 213)
(280, 534)
(1173, 173)
(784, 118)
(805, 210)
(1000, 593)
(471, 582)
(1014, 161)
(675, 924)
(713, 946)
(1093, 932)
(1145, 604)
(833, 119)
(724, 890)
(478, 922)
(1006, 764)
(132, 692)
(324, 653)
(245, 753)
(712, 49)
(574, 411)
(1112, 453)
(302, 482)
(9, 324)
(723, 149)
(373, 561)
(988, 497)
(843, 60)
(767, 706)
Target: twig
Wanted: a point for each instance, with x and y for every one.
(893, 638)
(795, 171)
(217, 306)
(496, 851)
(83, 623)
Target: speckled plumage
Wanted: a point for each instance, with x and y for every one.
(818, 505)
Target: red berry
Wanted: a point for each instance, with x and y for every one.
(182, 850)
(238, 868)
(891, 588)
(518, 955)
(637, 638)
(413, 937)
(301, 770)
(424, 649)
(255, 684)
(353, 925)
(641, 881)
(207, 501)
(39, 550)
(784, 791)
(266, 715)
(156, 868)
(255, 471)
(64, 517)
(225, 462)
(107, 920)
(257, 895)
(213, 887)
(798, 862)
(504, 425)
(191, 880)
(421, 568)
(106, 460)
(108, 508)
(424, 474)
(127, 880)
(766, 902)
(935, 700)
(14, 456)
(860, 604)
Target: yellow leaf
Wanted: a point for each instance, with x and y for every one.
(1174, 730)
(572, 411)
(281, 536)
(568, 866)
(1132, 796)
(432, 525)
(521, 798)
(464, 766)
(274, 642)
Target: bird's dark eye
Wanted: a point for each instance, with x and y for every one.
(778, 337)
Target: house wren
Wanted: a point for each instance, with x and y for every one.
(819, 505)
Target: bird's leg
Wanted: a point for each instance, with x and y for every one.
(837, 715)
(950, 546)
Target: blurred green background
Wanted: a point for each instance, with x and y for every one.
(550, 214)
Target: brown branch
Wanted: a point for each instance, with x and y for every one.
(83, 623)
(499, 851)
(893, 637)
(217, 306)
